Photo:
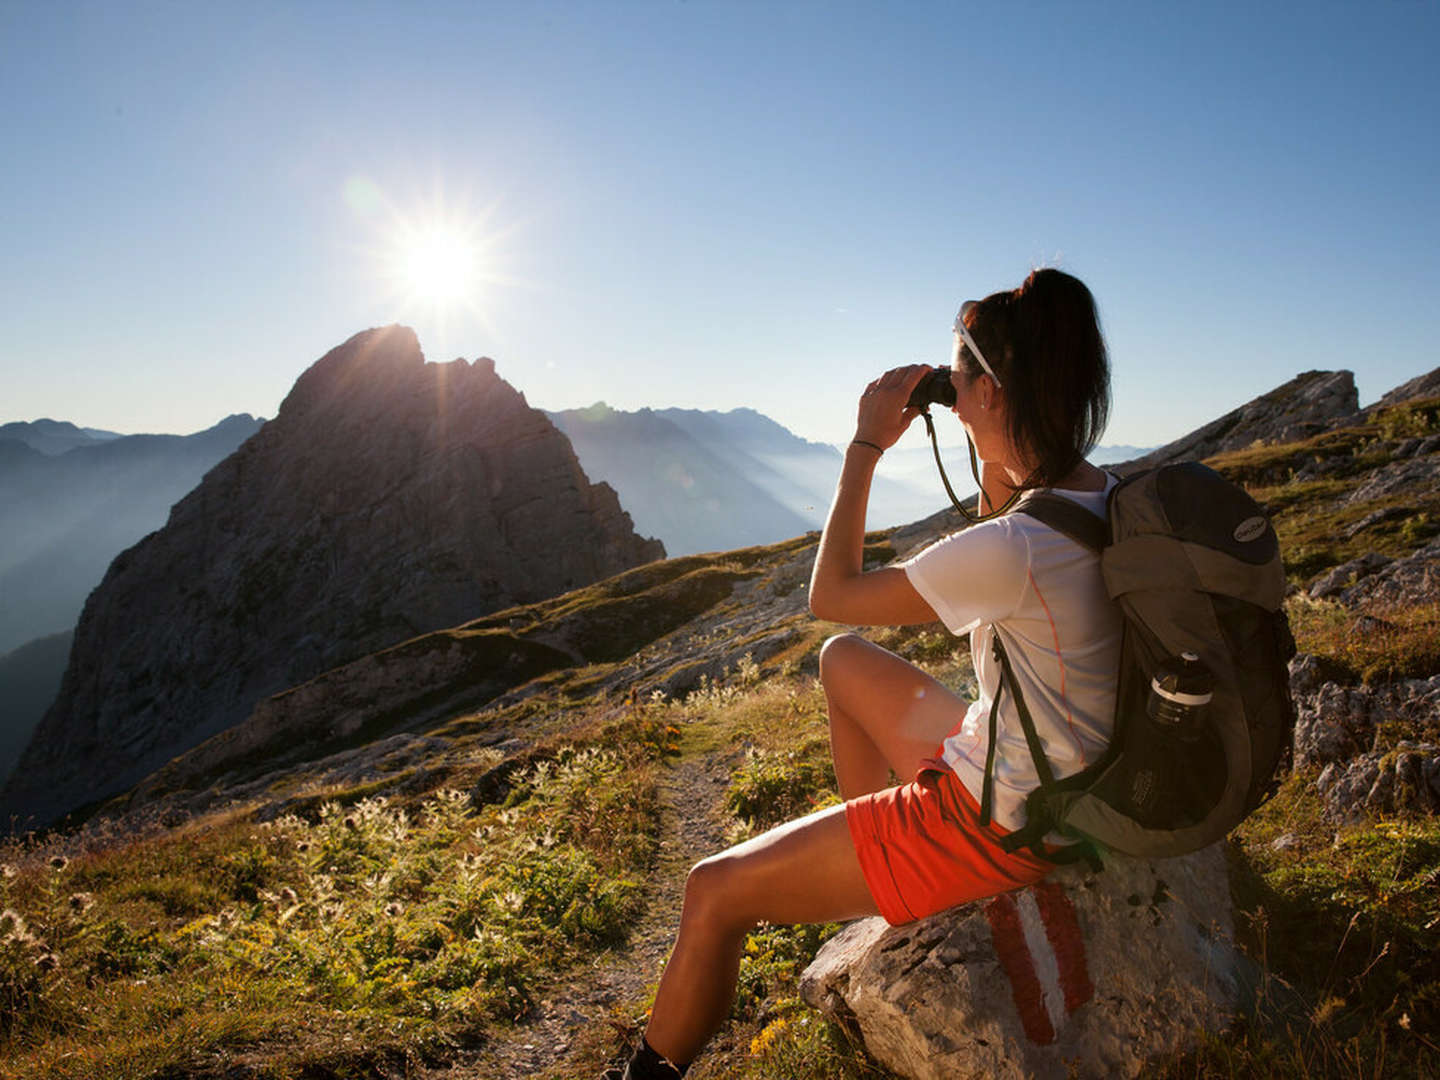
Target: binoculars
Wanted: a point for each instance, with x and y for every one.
(934, 387)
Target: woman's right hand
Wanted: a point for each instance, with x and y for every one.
(884, 411)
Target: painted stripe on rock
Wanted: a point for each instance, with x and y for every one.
(1014, 956)
(1042, 952)
(1062, 929)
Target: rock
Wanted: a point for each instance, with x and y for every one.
(1399, 477)
(1346, 574)
(1306, 405)
(1396, 583)
(389, 497)
(1333, 724)
(1306, 674)
(1376, 517)
(1422, 386)
(1383, 783)
(1083, 974)
(1337, 728)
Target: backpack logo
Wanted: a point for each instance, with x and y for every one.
(1250, 529)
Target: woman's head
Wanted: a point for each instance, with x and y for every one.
(1043, 344)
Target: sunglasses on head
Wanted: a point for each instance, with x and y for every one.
(964, 332)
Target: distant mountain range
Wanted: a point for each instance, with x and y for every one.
(71, 499)
(704, 481)
(711, 481)
(53, 436)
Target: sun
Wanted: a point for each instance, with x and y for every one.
(435, 263)
(438, 264)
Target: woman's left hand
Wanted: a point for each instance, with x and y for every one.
(883, 413)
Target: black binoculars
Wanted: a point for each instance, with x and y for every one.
(934, 387)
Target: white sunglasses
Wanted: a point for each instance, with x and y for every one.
(970, 341)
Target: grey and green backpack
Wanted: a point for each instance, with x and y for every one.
(1194, 565)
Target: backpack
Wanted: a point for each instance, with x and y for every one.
(1194, 565)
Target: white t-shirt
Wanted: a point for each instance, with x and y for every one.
(1061, 632)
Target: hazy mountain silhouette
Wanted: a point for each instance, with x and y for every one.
(707, 481)
(54, 436)
(683, 481)
(66, 512)
(29, 678)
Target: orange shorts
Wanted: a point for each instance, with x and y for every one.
(922, 847)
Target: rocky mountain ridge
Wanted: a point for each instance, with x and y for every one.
(389, 497)
(1308, 404)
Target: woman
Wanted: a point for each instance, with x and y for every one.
(1032, 391)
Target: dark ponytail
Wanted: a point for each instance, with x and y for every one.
(1044, 341)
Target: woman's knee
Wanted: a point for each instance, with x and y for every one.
(836, 649)
(715, 892)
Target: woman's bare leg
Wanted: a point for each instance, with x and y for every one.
(802, 871)
(885, 714)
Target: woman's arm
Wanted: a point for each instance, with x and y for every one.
(840, 589)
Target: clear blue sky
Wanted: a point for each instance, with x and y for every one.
(710, 204)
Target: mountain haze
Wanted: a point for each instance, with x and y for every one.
(681, 480)
(67, 511)
(49, 437)
(707, 481)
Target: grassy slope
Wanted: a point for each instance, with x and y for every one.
(387, 923)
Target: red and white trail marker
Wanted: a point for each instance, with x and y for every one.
(1040, 948)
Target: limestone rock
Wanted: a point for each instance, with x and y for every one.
(1398, 478)
(388, 498)
(1340, 729)
(1347, 574)
(1306, 405)
(1383, 783)
(1083, 974)
(1422, 386)
(1379, 583)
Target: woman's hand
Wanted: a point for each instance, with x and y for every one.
(883, 414)
(840, 588)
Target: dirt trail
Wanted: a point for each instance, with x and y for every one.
(691, 827)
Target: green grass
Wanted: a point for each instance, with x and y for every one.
(1344, 927)
(1400, 643)
(372, 933)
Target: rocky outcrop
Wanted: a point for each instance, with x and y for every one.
(1083, 974)
(1422, 386)
(1306, 405)
(388, 498)
(1341, 731)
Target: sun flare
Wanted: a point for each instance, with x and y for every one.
(439, 265)
(439, 261)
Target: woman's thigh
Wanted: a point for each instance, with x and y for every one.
(905, 712)
(803, 871)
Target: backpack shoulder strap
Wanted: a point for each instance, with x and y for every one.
(1066, 516)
